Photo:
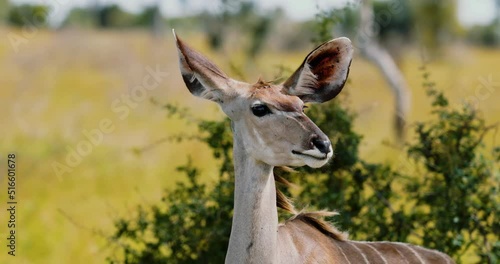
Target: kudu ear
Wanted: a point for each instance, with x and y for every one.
(323, 73)
(202, 77)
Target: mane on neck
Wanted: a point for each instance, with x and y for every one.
(313, 218)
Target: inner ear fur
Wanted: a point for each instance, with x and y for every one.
(323, 73)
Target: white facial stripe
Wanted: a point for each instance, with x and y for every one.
(257, 103)
(287, 113)
(293, 116)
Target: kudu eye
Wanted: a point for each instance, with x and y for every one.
(260, 110)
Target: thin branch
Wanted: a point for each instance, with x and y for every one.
(92, 231)
(158, 142)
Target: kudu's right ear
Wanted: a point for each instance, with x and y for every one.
(202, 77)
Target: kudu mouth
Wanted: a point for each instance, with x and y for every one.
(323, 156)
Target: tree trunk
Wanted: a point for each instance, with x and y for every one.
(388, 67)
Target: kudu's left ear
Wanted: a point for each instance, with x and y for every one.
(323, 73)
(202, 77)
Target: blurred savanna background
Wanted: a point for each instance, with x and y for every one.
(93, 105)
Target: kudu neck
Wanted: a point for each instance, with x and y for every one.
(255, 220)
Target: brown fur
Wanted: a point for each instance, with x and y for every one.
(315, 220)
(270, 94)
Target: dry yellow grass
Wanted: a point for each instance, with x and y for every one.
(60, 84)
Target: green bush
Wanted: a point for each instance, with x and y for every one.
(4, 8)
(159, 235)
(456, 196)
(113, 16)
(485, 35)
(28, 15)
(80, 17)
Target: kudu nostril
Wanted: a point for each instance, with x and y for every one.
(321, 145)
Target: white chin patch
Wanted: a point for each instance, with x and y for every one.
(315, 163)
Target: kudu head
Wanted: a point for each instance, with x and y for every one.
(268, 117)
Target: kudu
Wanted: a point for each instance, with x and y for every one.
(270, 129)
